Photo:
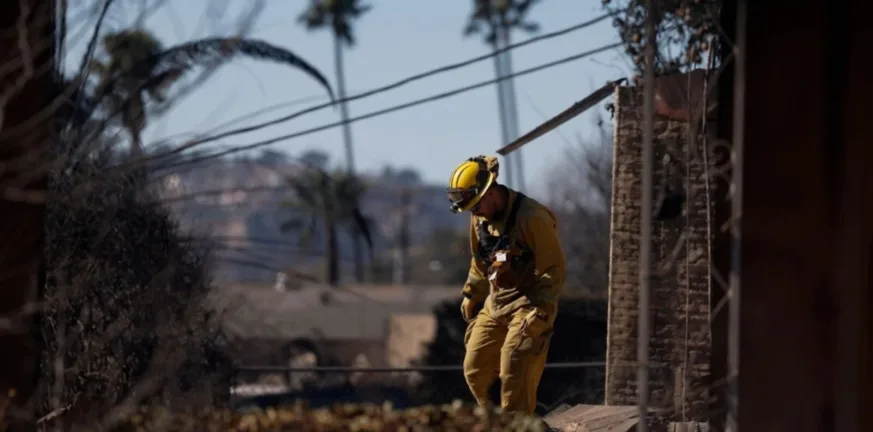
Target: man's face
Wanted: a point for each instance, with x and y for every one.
(485, 206)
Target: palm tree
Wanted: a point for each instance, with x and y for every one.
(338, 15)
(137, 69)
(123, 50)
(327, 202)
(497, 19)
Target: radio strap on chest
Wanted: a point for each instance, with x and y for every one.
(513, 212)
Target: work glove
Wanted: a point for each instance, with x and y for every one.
(468, 309)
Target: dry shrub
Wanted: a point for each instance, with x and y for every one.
(580, 194)
(125, 319)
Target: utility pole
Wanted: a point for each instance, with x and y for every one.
(339, 66)
(511, 102)
(502, 105)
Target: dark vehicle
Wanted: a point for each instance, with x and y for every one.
(319, 397)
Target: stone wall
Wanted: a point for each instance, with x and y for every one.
(680, 306)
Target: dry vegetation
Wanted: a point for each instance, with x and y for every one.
(580, 190)
(363, 418)
(125, 317)
(299, 418)
(686, 31)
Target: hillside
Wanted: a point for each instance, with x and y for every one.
(238, 205)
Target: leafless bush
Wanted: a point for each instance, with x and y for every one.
(125, 299)
(580, 194)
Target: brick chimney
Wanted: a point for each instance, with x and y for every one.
(680, 338)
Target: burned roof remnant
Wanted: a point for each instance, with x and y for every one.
(675, 93)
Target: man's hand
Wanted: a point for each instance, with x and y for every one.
(468, 309)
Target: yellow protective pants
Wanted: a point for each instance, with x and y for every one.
(514, 348)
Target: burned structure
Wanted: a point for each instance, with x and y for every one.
(680, 341)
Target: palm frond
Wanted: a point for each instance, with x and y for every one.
(177, 60)
(529, 27)
(487, 16)
(472, 28)
(338, 15)
(159, 85)
(314, 17)
(304, 192)
(523, 6)
(357, 10)
(362, 225)
(343, 30)
(185, 56)
(97, 66)
(132, 43)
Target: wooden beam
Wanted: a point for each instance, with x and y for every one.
(565, 116)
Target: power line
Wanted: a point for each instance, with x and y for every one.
(396, 107)
(219, 192)
(194, 196)
(394, 85)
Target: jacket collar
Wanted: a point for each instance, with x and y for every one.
(510, 200)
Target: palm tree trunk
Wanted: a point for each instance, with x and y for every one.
(22, 214)
(332, 254)
(344, 110)
(136, 144)
(347, 142)
(140, 170)
(402, 276)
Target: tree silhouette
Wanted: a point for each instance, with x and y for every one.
(327, 202)
(496, 19)
(490, 16)
(136, 69)
(580, 194)
(338, 16)
(315, 158)
(123, 50)
(692, 25)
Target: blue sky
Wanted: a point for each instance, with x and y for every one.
(396, 39)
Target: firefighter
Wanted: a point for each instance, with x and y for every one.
(516, 276)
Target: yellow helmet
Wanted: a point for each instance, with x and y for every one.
(470, 180)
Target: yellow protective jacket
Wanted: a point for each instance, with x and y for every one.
(536, 229)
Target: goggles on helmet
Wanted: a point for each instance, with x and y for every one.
(459, 197)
